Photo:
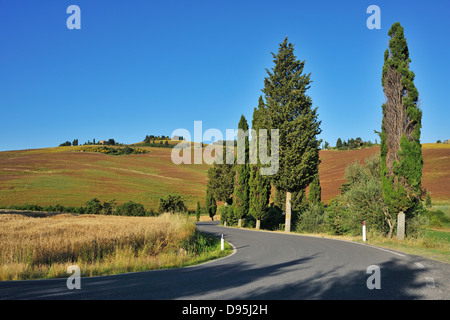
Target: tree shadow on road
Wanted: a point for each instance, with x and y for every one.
(237, 281)
(397, 283)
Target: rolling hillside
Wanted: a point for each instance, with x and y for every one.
(68, 176)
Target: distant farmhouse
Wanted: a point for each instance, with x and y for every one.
(447, 141)
(177, 138)
(103, 142)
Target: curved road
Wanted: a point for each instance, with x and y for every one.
(266, 265)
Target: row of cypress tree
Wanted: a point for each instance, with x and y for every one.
(285, 106)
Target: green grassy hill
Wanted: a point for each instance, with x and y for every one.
(72, 175)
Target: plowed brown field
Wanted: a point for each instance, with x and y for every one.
(435, 177)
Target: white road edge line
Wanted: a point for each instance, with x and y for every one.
(211, 261)
(419, 265)
(430, 282)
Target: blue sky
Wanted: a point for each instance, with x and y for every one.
(149, 67)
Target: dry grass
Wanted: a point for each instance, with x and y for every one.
(43, 246)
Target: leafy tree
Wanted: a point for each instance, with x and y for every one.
(111, 142)
(364, 197)
(221, 181)
(75, 142)
(289, 110)
(242, 175)
(93, 206)
(351, 143)
(131, 208)
(401, 152)
(339, 143)
(109, 207)
(172, 203)
(65, 144)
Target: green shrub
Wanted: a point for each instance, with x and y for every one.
(428, 200)
(436, 219)
(249, 221)
(312, 219)
(131, 208)
(364, 197)
(151, 213)
(93, 206)
(79, 210)
(274, 219)
(109, 207)
(66, 144)
(416, 225)
(227, 215)
(336, 217)
(172, 204)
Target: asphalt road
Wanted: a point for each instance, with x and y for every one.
(265, 265)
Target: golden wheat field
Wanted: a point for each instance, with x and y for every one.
(43, 246)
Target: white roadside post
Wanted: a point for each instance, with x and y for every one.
(222, 243)
(364, 231)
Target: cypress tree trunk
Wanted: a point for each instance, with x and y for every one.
(287, 227)
(401, 226)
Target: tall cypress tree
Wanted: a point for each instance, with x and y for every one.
(259, 185)
(289, 110)
(259, 195)
(401, 152)
(241, 178)
(315, 190)
(210, 204)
